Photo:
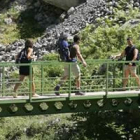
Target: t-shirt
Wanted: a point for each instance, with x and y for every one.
(129, 52)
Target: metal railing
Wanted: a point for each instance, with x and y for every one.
(99, 76)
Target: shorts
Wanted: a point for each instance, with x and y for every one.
(25, 70)
(75, 69)
(131, 69)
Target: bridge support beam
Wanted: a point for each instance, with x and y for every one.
(64, 105)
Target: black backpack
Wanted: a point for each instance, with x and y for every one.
(22, 57)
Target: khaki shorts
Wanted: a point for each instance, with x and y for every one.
(75, 69)
(131, 69)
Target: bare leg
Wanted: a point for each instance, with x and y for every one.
(137, 78)
(78, 86)
(62, 80)
(125, 80)
(21, 78)
(33, 87)
(65, 76)
(78, 82)
(56, 89)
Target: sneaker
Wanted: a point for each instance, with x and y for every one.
(79, 93)
(56, 89)
(35, 95)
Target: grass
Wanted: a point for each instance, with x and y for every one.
(35, 127)
(10, 34)
(23, 26)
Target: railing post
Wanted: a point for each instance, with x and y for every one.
(30, 82)
(123, 78)
(3, 81)
(42, 79)
(69, 80)
(114, 76)
(107, 66)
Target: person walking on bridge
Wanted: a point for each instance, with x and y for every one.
(25, 56)
(74, 52)
(132, 54)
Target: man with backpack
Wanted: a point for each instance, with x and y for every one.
(132, 54)
(71, 55)
(63, 47)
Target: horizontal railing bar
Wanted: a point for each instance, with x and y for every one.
(54, 62)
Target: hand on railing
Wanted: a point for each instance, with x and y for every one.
(116, 57)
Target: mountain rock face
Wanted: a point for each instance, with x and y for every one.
(70, 21)
(65, 4)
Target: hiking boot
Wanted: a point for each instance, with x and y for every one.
(79, 93)
(56, 89)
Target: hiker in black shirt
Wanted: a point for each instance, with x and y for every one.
(131, 54)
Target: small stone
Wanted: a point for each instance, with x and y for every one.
(71, 11)
(62, 16)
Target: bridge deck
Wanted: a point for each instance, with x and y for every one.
(87, 94)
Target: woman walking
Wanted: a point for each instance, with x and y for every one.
(25, 56)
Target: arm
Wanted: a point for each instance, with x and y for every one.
(80, 56)
(120, 55)
(29, 55)
(135, 54)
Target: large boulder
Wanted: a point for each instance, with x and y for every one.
(64, 4)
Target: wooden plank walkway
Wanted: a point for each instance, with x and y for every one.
(64, 95)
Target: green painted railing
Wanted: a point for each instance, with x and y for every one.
(100, 76)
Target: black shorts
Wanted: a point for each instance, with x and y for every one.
(25, 70)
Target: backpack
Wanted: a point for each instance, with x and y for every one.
(22, 57)
(64, 53)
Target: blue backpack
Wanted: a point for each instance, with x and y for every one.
(63, 52)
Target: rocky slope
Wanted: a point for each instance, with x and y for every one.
(57, 21)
